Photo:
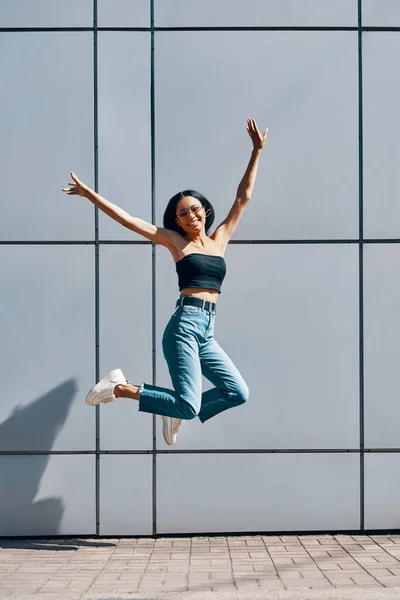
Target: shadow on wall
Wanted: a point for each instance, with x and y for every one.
(32, 428)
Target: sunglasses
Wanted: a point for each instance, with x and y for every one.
(195, 209)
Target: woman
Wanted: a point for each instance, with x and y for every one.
(188, 342)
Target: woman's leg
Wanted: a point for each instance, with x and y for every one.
(230, 388)
(181, 351)
(184, 367)
(127, 390)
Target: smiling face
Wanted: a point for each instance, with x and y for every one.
(190, 214)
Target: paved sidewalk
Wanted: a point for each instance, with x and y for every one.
(322, 566)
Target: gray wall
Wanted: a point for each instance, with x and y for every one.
(312, 270)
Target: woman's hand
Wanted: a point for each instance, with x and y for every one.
(256, 137)
(78, 188)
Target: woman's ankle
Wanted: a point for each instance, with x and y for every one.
(127, 391)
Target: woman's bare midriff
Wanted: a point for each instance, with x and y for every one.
(203, 293)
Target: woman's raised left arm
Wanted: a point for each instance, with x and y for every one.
(246, 185)
(226, 229)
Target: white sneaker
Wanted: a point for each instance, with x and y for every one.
(104, 390)
(171, 427)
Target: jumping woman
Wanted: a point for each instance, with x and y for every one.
(188, 342)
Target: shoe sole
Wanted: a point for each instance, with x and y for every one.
(180, 425)
(91, 396)
(167, 438)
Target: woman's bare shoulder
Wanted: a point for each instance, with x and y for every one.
(185, 247)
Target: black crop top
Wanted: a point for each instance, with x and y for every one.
(198, 270)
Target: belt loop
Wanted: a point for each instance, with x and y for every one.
(203, 305)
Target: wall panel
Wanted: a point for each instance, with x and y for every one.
(46, 120)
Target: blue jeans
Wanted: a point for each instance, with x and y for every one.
(191, 351)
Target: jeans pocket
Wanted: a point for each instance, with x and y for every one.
(191, 310)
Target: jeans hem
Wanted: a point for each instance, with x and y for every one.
(139, 392)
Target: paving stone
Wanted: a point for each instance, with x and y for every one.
(177, 569)
(294, 584)
(219, 586)
(390, 581)
(318, 584)
(261, 568)
(379, 572)
(220, 562)
(363, 578)
(54, 585)
(247, 585)
(308, 569)
(273, 583)
(318, 553)
(239, 554)
(305, 560)
(283, 561)
(289, 574)
(341, 581)
(328, 566)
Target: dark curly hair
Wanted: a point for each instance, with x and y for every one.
(170, 211)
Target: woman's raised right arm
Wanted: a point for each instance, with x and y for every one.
(166, 237)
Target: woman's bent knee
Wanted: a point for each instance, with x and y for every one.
(242, 393)
(188, 411)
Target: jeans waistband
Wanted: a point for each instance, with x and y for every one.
(199, 302)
